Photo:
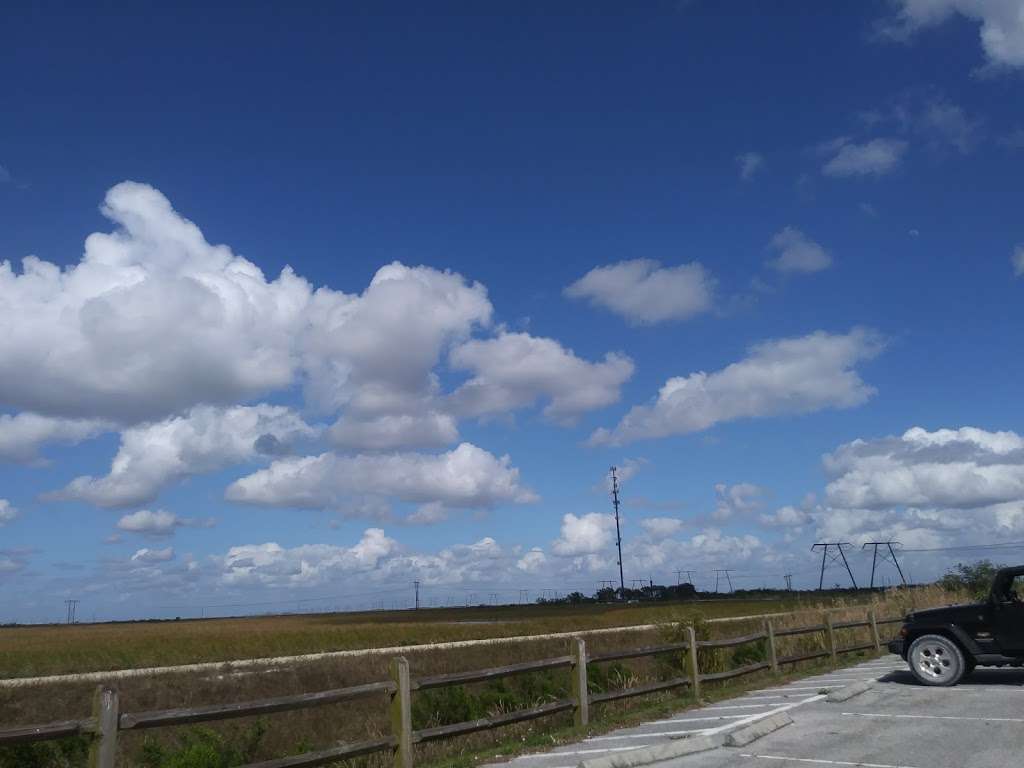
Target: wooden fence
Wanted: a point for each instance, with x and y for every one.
(108, 721)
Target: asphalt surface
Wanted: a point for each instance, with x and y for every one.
(793, 698)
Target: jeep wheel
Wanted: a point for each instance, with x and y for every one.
(936, 660)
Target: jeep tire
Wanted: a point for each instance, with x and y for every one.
(936, 660)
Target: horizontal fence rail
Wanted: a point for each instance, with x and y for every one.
(107, 720)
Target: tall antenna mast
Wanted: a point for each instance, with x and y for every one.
(618, 532)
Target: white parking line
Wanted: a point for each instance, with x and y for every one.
(762, 715)
(699, 719)
(802, 688)
(818, 761)
(735, 706)
(938, 717)
(652, 734)
(580, 752)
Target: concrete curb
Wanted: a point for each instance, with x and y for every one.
(656, 754)
(843, 694)
(754, 731)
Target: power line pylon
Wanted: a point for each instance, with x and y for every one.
(840, 547)
(72, 608)
(416, 586)
(888, 557)
(618, 531)
(789, 582)
(718, 574)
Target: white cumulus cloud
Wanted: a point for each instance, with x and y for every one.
(644, 292)
(7, 512)
(515, 370)
(1002, 24)
(208, 438)
(749, 164)
(736, 500)
(797, 252)
(872, 158)
(464, 477)
(782, 376)
(22, 435)
(158, 522)
(148, 556)
(584, 535)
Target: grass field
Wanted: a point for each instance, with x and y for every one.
(56, 649)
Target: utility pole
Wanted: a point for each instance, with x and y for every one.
(789, 582)
(889, 557)
(840, 547)
(618, 532)
(72, 607)
(416, 586)
(719, 572)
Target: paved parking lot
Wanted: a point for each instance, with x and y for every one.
(716, 718)
(896, 724)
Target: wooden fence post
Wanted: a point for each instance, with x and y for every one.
(874, 630)
(694, 667)
(581, 713)
(401, 712)
(773, 658)
(106, 710)
(830, 633)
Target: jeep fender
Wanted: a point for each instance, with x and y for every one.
(965, 641)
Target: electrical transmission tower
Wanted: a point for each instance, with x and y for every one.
(618, 531)
(72, 608)
(789, 581)
(840, 547)
(718, 575)
(416, 586)
(887, 557)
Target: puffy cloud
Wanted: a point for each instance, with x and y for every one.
(533, 561)
(154, 320)
(645, 293)
(1002, 24)
(873, 158)
(271, 564)
(514, 370)
(23, 434)
(736, 499)
(158, 523)
(797, 252)
(7, 512)
(749, 164)
(783, 376)
(152, 456)
(660, 527)
(148, 556)
(1017, 259)
(465, 477)
(704, 550)
(786, 517)
(961, 469)
(584, 535)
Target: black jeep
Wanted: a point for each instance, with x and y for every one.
(942, 645)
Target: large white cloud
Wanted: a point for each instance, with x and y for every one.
(783, 376)
(23, 434)
(1002, 24)
(464, 477)
(152, 456)
(644, 292)
(872, 158)
(736, 500)
(514, 370)
(963, 468)
(154, 320)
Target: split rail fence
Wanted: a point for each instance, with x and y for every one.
(108, 721)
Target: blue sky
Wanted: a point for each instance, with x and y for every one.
(802, 228)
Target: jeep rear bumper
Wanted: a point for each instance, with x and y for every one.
(896, 646)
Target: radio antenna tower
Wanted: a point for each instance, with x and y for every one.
(618, 532)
